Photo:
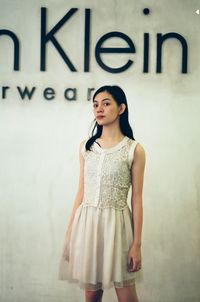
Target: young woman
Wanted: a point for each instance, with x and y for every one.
(102, 246)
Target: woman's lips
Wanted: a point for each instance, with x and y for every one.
(100, 116)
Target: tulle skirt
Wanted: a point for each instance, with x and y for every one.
(95, 251)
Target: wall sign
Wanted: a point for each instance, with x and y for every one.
(48, 39)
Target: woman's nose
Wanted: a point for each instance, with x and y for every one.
(100, 108)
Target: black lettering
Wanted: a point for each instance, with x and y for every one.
(26, 92)
(46, 37)
(73, 96)
(160, 39)
(89, 92)
(16, 46)
(4, 90)
(87, 41)
(99, 49)
(146, 53)
(49, 93)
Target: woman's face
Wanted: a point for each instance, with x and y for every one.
(105, 108)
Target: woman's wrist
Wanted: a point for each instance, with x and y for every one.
(136, 244)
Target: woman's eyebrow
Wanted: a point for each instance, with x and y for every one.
(102, 100)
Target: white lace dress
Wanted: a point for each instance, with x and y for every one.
(96, 252)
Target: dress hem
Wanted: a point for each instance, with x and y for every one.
(94, 287)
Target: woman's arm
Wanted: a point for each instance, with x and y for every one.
(137, 172)
(80, 190)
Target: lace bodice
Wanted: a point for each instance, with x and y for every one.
(107, 174)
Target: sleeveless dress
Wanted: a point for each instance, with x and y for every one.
(95, 254)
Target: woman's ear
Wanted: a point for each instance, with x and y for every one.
(122, 108)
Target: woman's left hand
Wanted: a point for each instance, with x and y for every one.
(134, 259)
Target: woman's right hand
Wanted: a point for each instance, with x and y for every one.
(67, 243)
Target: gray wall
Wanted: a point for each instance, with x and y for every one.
(40, 139)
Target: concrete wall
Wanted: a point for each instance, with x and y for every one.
(39, 163)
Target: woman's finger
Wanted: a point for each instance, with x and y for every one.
(129, 263)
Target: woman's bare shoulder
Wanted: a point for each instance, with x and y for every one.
(139, 153)
(139, 148)
(82, 146)
(82, 142)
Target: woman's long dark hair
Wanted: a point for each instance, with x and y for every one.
(120, 97)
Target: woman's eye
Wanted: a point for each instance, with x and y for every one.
(95, 105)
